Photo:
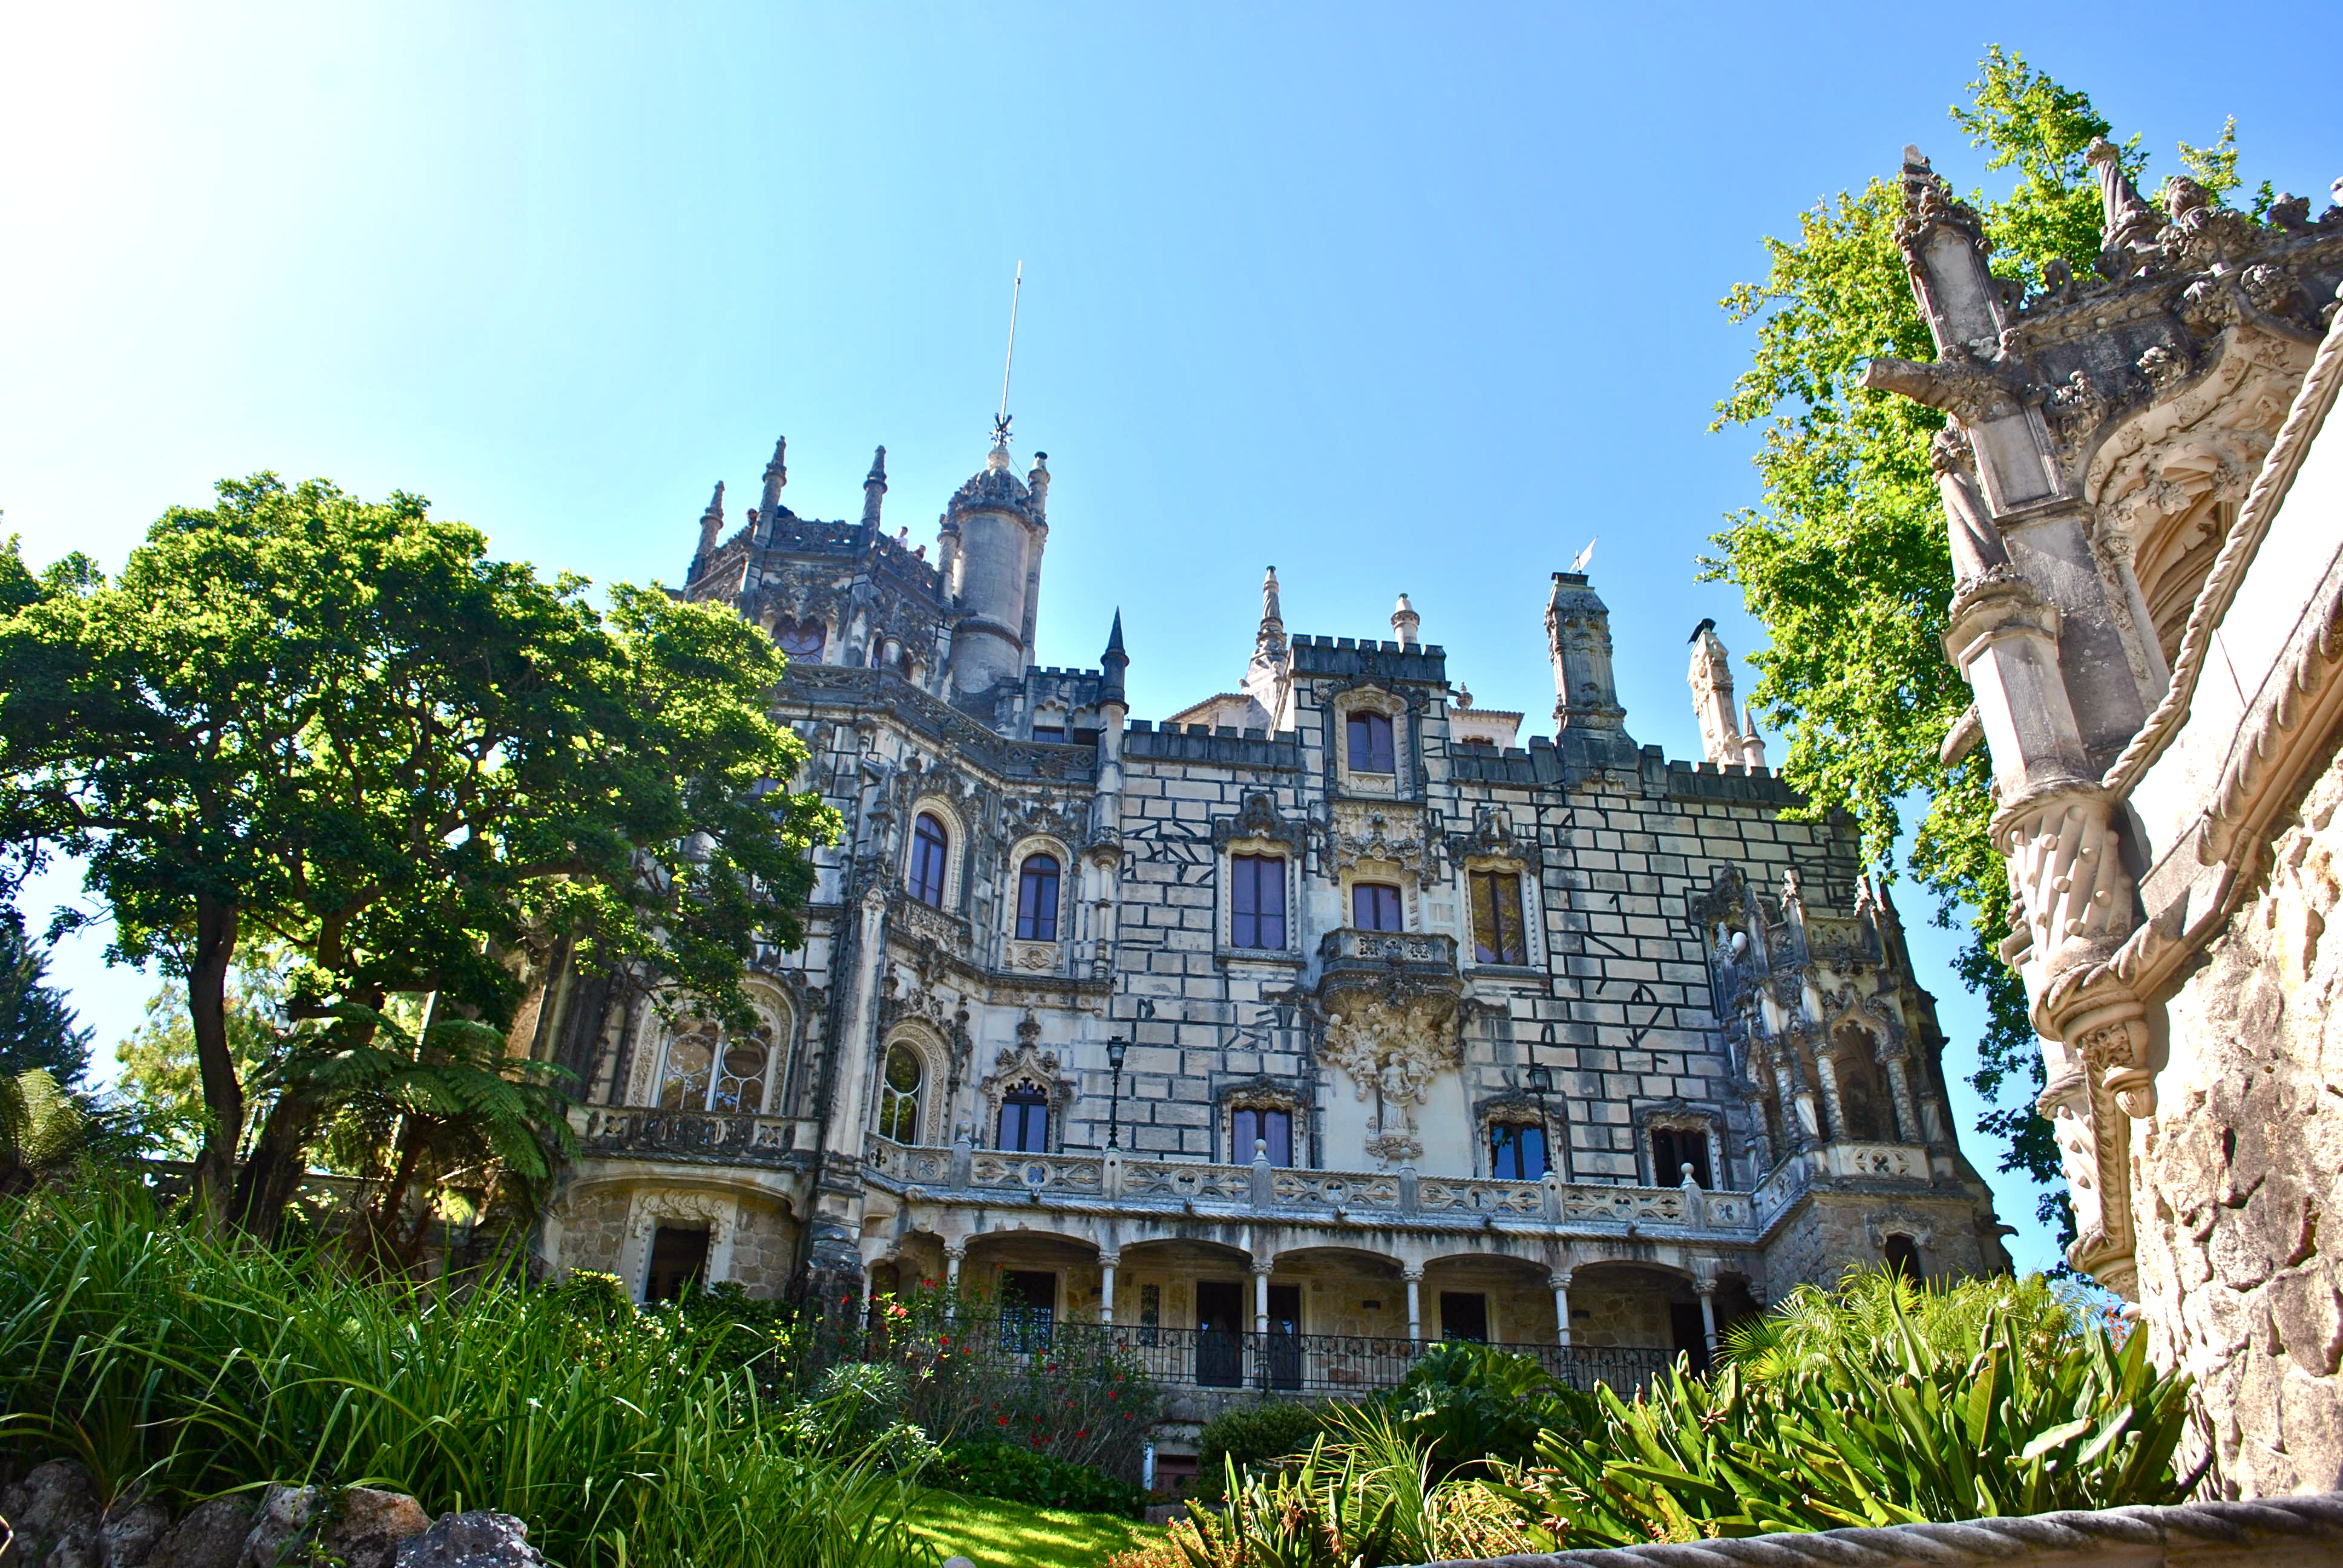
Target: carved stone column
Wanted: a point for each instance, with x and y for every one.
(1107, 1263)
(1561, 1284)
(1706, 1290)
(1260, 1268)
(1413, 1274)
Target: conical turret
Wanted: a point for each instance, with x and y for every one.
(711, 524)
(1114, 661)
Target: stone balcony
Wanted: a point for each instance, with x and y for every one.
(704, 1136)
(1866, 1162)
(1103, 1181)
(1418, 956)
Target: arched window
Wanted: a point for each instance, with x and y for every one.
(683, 1078)
(1025, 1120)
(740, 1076)
(1902, 1258)
(1370, 736)
(899, 1096)
(802, 638)
(1374, 906)
(930, 844)
(1516, 1150)
(1037, 900)
(1499, 934)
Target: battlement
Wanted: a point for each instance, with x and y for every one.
(1348, 656)
(1224, 744)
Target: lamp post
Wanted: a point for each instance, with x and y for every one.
(1114, 1050)
(1540, 1079)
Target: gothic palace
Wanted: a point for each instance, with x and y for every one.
(1318, 1019)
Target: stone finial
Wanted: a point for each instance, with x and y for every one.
(1114, 661)
(1710, 679)
(2128, 227)
(874, 489)
(1037, 479)
(1406, 623)
(1270, 616)
(777, 475)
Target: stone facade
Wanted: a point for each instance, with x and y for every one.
(1322, 1008)
(2146, 517)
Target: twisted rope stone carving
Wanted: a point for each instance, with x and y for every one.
(2271, 1532)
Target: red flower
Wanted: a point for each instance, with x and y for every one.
(1004, 1421)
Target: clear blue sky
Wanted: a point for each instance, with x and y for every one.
(1411, 298)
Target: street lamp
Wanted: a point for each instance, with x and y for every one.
(1540, 1079)
(1114, 1050)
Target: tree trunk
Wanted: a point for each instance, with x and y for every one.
(278, 1162)
(215, 934)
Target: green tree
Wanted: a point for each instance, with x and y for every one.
(159, 1090)
(1845, 560)
(337, 725)
(37, 1026)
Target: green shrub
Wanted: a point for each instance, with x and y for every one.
(1020, 1475)
(1254, 1437)
(150, 1353)
(1471, 1407)
(1986, 1398)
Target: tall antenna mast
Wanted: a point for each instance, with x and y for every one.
(1001, 420)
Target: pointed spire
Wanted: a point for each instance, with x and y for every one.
(874, 489)
(777, 474)
(1406, 624)
(1114, 661)
(1753, 745)
(711, 523)
(1269, 612)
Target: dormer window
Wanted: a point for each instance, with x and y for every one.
(1370, 737)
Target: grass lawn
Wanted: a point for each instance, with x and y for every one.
(997, 1534)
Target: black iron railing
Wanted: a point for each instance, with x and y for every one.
(1300, 1364)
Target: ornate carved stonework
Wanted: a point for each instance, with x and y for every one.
(1380, 830)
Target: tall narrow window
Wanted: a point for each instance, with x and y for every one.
(1257, 901)
(899, 1096)
(1374, 906)
(930, 844)
(1499, 934)
(1037, 900)
(1902, 1256)
(800, 639)
(1673, 1149)
(1370, 736)
(683, 1078)
(741, 1077)
(1274, 1128)
(1516, 1151)
(1025, 1121)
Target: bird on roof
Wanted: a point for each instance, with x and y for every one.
(1707, 623)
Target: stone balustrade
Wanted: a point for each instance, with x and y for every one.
(1186, 1185)
(732, 1138)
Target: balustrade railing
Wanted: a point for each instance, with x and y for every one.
(685, 1134)
(1287, 1362)
(1292, 1188)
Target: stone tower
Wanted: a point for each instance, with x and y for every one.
(998, 526)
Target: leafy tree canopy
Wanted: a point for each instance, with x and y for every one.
(1843, 558)
(338, 725)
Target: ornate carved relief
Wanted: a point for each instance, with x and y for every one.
(1376, 830)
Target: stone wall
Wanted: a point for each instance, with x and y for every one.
(2239, 1170)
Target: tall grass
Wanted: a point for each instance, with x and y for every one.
(151, 1354)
